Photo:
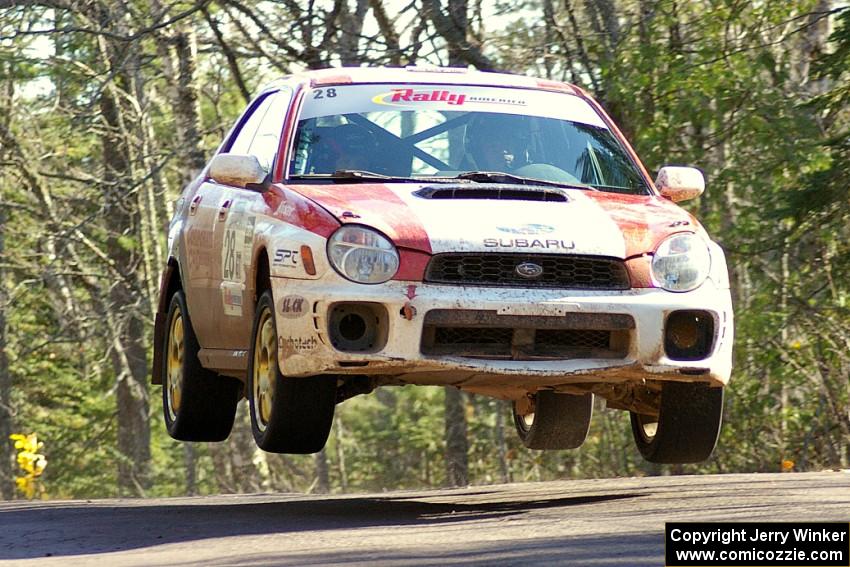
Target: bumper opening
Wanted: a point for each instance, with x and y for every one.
(488, 335)
(358, 327)
(689, 335)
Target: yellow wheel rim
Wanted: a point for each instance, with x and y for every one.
(174, 365)
(265, 370)
(648, 427)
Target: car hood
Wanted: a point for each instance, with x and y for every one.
(588, 222)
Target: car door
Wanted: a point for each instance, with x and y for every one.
(203, 252)
(236, 221)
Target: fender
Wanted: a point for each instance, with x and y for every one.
(167, 285)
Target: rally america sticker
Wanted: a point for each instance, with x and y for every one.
(361, 99)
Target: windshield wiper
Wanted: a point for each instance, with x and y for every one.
(353, 175)
(359, 174)
(502, 177)
(620, 189)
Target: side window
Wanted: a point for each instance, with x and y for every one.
(267, 139)
(246, 134)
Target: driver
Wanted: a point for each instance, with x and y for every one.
(493, 142)
(355, 147)
(334, 148)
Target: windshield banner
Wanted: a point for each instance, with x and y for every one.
(347, 99)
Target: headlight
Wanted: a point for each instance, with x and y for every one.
(362, 254)
(681, 262)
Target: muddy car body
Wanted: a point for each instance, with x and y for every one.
(360, 228)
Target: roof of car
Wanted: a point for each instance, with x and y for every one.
(427, 75)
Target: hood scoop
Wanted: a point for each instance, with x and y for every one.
(493, 191)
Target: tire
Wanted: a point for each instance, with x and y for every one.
(559, 421)
(288, 415)
(687, 426)
(198, 404)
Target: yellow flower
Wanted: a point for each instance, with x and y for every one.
(787, 465)
(28, 443)
(31, 462)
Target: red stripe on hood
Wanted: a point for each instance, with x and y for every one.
(373, 205)
(644, 220)
(289, 206)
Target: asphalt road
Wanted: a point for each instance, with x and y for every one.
(587, 523)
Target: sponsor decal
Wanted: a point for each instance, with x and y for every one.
(198, 238)
(284, 258)
(405, 96)
(232, 301)
(248, 227)
(324, 93)
(496, 100)
(529, 270)
(395, 96)
(285, 209)
(292, 307)
(199, 250)
(527, 229)
(238, 240)
(298, 344)
(548, 244)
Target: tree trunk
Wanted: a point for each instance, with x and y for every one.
(190, 462)
(504, 466)
(323, 479)
(453, 27)
(188, 107)
(126, 313)
(340, 454)
(7, 452)
(457, 445)
(230, 56)
(241, 448)
(351, 29)
(388, 31)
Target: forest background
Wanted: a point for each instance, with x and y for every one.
(108, 107)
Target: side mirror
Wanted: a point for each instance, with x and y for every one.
(237, 170)
(680, 183)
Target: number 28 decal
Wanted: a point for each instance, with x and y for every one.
(324, 93)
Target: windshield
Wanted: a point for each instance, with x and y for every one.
(445, 132)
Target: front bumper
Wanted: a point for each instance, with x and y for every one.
(305, 346)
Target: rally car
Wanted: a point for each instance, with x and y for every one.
(361, 228)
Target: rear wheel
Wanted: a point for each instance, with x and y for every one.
(553, 420)
(687, 425)
(198, 404)
(288, 415)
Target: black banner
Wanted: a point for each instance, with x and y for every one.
(757, 544)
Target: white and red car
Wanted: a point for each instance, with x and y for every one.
(360, 228)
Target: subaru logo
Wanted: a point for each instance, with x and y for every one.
(529, 270)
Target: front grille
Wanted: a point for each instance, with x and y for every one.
(488, 335)
(558, 271)
(465, 335)
(580, 339)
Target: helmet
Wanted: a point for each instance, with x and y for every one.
(348, 146)
(495, 142)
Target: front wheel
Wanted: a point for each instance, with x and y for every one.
(553, 421)
(288, 415)
(687, 425)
